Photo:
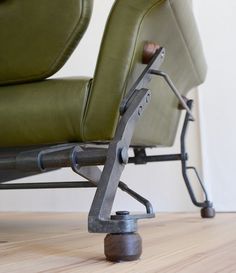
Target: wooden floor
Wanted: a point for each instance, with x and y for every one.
(172, 243)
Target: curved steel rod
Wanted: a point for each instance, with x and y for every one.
(174, 89)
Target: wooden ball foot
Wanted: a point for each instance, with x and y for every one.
(208, 212)
(123, 247)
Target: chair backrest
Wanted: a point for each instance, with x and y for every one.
(38, 36)
(131, 23)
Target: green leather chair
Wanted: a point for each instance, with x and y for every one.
(80, 122)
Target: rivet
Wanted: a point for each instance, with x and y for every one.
(140, 110)
(148, 98)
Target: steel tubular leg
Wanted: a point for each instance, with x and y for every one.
(185, 168)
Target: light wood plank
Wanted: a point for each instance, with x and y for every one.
(172, 243)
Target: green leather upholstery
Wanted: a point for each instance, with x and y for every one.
(37, 37)
(184, 62)
(54, 111)
(131, 23)
(46, 112)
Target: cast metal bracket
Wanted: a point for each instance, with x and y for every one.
(99, 219)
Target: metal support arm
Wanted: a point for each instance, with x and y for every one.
(176, 92)
(140, 157)
(185, 168)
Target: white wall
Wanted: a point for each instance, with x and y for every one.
(217, 21)
(160, 182)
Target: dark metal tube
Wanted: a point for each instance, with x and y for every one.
(47, 185)
(8, 163)
(53, 160)
(157, 158)
(91, 157)
(57, 159)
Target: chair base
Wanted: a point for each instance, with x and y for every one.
(122, 242)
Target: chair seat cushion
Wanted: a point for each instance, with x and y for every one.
(45, 112)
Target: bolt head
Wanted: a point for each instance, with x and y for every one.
(124, 156)
(122, 212)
